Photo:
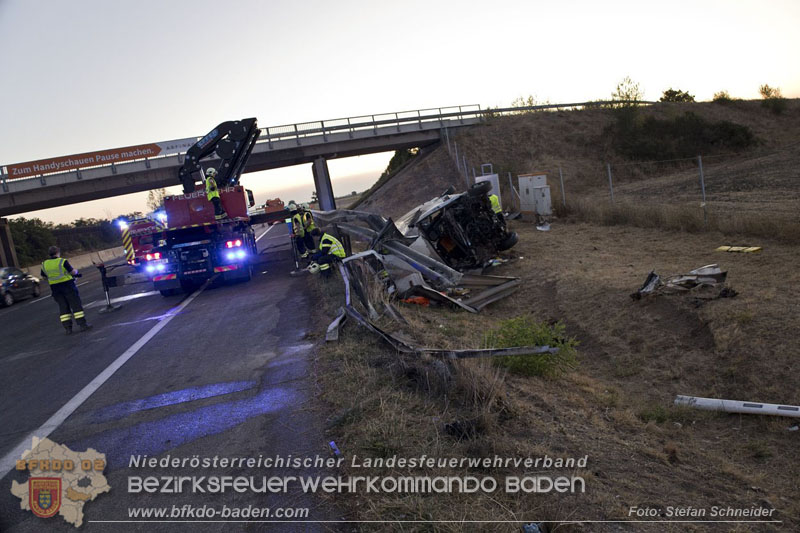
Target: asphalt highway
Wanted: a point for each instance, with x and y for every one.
(220, 372)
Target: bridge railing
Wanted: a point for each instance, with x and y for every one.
(367, 122)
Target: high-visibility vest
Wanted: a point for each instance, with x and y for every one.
(495, 203)
(297, 225)
(331, 245)
(211, 188)
(308, 221)
(56, 273)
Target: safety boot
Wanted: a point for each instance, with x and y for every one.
(85, 327)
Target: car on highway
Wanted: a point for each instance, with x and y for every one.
(16, 285)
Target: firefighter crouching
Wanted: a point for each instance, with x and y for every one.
(61, 277)
(330, 251)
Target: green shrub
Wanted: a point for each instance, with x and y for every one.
(772, 99)
(676, 95)
(524, 331)
(682, 136)
(722, 97)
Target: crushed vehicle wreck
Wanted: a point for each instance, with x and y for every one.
(461, 230)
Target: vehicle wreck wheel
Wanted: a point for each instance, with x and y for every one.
(480, 189)
(508, 242)
(36, 290)
(8, 300)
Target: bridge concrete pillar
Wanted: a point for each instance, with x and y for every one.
(322, 181)
(8, 255)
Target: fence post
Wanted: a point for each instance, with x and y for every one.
(563, 194)
(466, 173)
(3, 178)
(703, 188)
(458, 163)
(610, 182)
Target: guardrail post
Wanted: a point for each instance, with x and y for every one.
(324, 137)
(460, 116)
(419, 116)
(296, 135)
(269, 138)
(397, 120)
(42, 180)
(441, 122)
(78, 171)
(375, 130)
(350, 126)
(3, 179)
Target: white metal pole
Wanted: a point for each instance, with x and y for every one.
(610, 183)
(736, 406)
(563, 194)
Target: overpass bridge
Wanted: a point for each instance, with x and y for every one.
(278, 146)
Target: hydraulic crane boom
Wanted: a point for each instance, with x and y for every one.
(232, 141)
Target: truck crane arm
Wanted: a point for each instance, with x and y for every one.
(232, 141)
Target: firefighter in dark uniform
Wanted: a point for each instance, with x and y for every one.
(310, 228)
(330, 251)
(212, 194)
(299, 231)
(61, 277)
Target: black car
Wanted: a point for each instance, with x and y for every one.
(16, 285)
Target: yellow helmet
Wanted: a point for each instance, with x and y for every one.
(313, 268)
(211, 172)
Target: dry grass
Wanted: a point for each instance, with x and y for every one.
(615, 408)
(687, 217)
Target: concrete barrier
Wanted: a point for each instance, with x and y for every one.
(85, 260)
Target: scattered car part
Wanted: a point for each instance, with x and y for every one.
(736, 406)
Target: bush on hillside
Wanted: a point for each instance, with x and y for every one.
(676, 95)
(722, 97)
(683, 136)
(772, 99)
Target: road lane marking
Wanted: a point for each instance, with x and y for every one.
(267, 231)
(9, 461)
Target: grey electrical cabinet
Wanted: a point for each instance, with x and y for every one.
(534, 194)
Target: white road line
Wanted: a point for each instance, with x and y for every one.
(267, 231)
(50, 296)
(9, 461)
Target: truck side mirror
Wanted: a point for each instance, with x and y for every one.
(251, 201)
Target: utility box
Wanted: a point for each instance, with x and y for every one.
(534, 195)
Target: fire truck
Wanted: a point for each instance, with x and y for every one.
(194, 246)
(139, 237)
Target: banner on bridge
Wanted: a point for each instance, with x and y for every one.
(102, 157)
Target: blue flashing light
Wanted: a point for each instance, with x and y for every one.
(240, 254)
(150, 268)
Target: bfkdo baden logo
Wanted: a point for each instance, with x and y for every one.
(61, 481)
(44, 495)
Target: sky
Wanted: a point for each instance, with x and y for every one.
(87, 75)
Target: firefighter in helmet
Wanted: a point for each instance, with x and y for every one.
(309, 226)
(212, 194)
(61, 277)
(330, 251)
(299, 231)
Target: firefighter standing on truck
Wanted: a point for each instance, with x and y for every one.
(59, 274)
(330, 251)
(212, 194)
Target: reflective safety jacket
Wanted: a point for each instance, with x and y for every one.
(55, 271)
(495, 203)
(329, 244)
(308, 221)
(297, 225)
(211, 188)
